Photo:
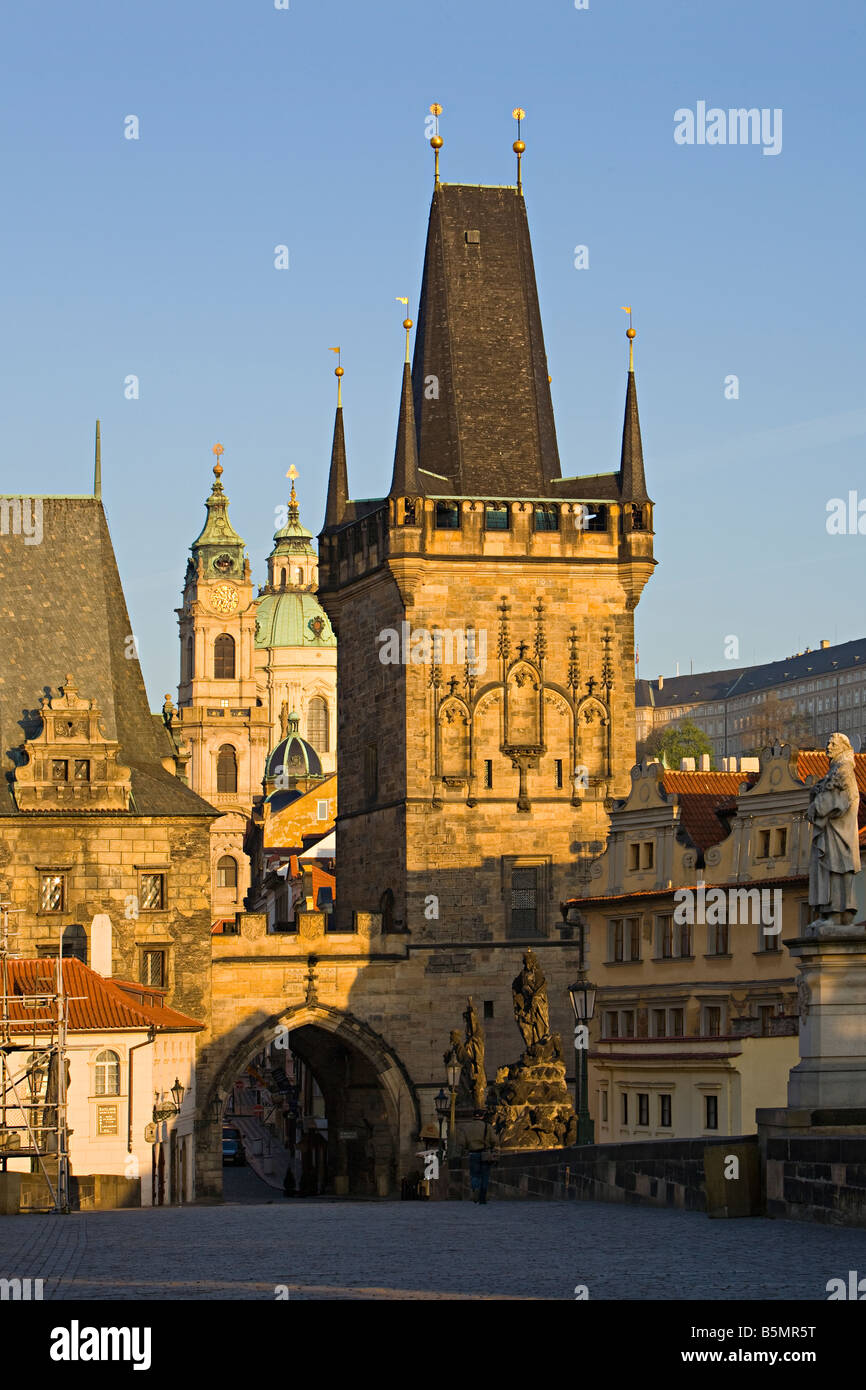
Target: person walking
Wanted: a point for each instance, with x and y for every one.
(476, 1137)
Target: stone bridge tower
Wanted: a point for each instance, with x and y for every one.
(484, 613)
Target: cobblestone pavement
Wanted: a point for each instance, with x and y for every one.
(325, 1249)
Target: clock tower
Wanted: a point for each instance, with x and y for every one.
(219, 712)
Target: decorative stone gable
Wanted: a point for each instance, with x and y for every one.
(71, 764)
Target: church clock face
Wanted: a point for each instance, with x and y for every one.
(224, 598)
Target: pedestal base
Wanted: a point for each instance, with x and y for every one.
(831, 1073)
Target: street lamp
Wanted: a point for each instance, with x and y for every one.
(441, 1103)
(168, 1108)
(453, 1069)
(583, 995)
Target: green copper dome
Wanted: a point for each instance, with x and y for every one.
(292, 618)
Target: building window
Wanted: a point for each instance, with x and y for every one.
(780, 843)
(371, 771)
(611, 1024)
(300, 573)
(685, 939)
(488, 1008)
(676, 1023)
(624, 939)
(643, 1107)
(718, 939)
(766, 1014)
(151, 897)
(524, 902)
(660, 1023)
(546, 517)
(627, 1022)
(224, 657)
(106, 1069)
(74, 945)
(712, 1021)
(190, 658)
(557, 774)
(763, 844)
(52, 893)
(227, 872)
(641, 855)
(227, 769)
(625, 1107)
(317, 723)
(711, 1104)
(664, 1111)
(153, 969)
(488, 774)
(603, 1099)
(321, 810)
(447, 516)
(496, 518)
(666, 937)
(59, 770)
(81, 770)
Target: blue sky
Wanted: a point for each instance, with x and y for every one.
(305, 127)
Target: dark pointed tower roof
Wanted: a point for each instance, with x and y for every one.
(338, 478)
(632, 482)
(404, 479)
(481, 390)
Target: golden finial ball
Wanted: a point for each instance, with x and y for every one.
(218, 470)
(631, 333)
(407, 324)
(437, 142)
(338, 371)
(519, 146)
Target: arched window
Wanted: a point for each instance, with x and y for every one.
(227, 872)
(300, 576)
(227, 769)
(283, 578)
(107, 1074)
(190, 659)
(317, 724)
(224, 658)
(75, 942)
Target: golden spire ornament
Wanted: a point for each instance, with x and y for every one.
(631, 335)
(219, 451)
(436, 141)
(338, 373)
(293, 473)
(519, 114)
(407, 322)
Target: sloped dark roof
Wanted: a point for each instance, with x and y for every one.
(720, 685)
(490, 427)
(62, 610)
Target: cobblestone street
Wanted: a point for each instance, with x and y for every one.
(397, 1250)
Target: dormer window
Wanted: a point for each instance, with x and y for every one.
(59, 770)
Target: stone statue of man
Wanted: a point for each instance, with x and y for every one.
(531, 1010)
(474, 1055)
(835, 857)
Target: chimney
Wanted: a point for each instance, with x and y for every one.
(705, 762)
(687, 764)
(824, 644)
(100, 945)
(750, 764)
(661, 682)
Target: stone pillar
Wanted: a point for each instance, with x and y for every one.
(832, 992)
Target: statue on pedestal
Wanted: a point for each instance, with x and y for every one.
(474, 1056)
(835, 856)
(531, 1009)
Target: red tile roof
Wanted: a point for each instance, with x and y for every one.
(94, 1003)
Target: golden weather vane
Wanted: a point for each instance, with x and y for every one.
(407, 322)
(338, 373)
(631, 335)
(436, 141)
(219, 451)
(519, 114)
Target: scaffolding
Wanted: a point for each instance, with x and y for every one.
(34, 1067)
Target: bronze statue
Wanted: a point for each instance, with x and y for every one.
(531, 1009)
(473, 1064)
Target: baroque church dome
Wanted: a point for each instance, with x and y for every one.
(292, 618)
